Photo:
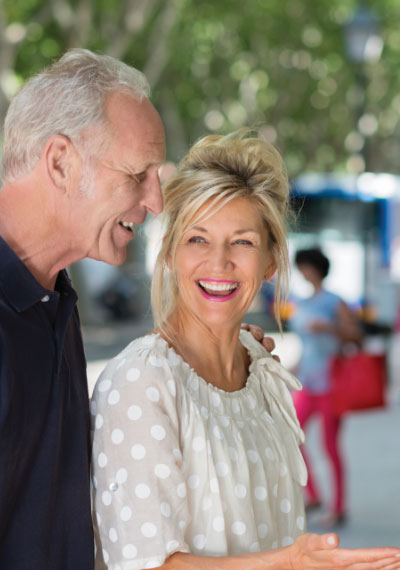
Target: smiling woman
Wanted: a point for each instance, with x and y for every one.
(216, 171)
(196, 460)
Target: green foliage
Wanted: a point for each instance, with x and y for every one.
(217, 65)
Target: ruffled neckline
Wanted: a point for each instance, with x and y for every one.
(267, 392)
(245, 403)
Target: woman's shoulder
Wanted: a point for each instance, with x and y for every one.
(147, 360)
(265, 367)
(330, 297)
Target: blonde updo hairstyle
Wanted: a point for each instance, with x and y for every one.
(218, 169)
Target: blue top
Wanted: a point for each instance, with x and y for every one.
(45, 520)
(318, 347)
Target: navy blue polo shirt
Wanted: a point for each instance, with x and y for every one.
(45, 518)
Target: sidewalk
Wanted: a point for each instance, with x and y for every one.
(371, 446)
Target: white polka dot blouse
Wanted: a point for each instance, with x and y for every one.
(180, 465)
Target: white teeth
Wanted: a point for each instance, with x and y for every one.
(129, 225)
(213, 286)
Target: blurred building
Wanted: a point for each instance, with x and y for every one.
(355, 219)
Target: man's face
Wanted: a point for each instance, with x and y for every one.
(123, 181)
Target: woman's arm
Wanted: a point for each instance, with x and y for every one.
(309, 552)
(346, 326)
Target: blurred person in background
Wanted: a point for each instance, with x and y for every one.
(323, 322)
(196, 460)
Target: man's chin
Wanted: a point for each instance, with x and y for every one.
(117, 258)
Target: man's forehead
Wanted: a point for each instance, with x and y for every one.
(126, 109)
(136, 129)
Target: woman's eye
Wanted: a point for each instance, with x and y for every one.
(243, 242)
(196, 239)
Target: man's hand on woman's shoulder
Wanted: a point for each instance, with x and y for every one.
(267, 342)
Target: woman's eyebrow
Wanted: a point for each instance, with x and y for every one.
(240, 231)
(246, 231)
(197, 229)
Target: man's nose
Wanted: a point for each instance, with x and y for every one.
(153, 200)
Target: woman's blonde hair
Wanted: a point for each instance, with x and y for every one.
(218, 169)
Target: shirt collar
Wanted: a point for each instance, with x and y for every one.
(18, 284)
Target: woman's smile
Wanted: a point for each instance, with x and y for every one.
(218, 289)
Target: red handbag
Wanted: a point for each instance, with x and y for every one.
(358, 382)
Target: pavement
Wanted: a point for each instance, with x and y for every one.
(370, 443)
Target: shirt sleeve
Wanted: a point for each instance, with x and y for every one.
(139, 487)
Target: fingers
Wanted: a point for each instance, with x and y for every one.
(268, 343)
(321, 551)
(255, 330)
(372, 558)
(314, 542)
(363, 558)
(331, 540)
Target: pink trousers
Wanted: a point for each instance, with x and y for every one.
(307, 404)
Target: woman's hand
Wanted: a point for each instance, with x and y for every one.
(321, 552)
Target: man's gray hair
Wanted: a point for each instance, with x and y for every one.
(66, 98)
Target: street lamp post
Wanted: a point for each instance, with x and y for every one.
(363, 45)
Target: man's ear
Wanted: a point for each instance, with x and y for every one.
(62, 161)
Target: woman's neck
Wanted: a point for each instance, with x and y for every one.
(216, 353)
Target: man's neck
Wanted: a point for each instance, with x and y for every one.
(27, 228)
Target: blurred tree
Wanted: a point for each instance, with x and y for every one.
(215, 66)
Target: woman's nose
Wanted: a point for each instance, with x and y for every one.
(220, 257)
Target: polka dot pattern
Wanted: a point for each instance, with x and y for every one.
(125, 514)
(162, 471)
(99, 421)
(134, 412)
(122, 476)
(148, 529)
(170, 449)
(113, 397)
(238, 528)
(133, 374)
(138, 451)
(117, 436)
(158, 432)
(129, 551)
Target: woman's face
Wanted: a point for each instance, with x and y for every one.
(310, 274)
(221, 262)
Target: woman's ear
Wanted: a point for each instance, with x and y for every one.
(270, 269)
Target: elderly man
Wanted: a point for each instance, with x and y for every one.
(82, 149)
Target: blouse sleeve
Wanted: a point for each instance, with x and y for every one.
(277, 384)
(138, 485)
